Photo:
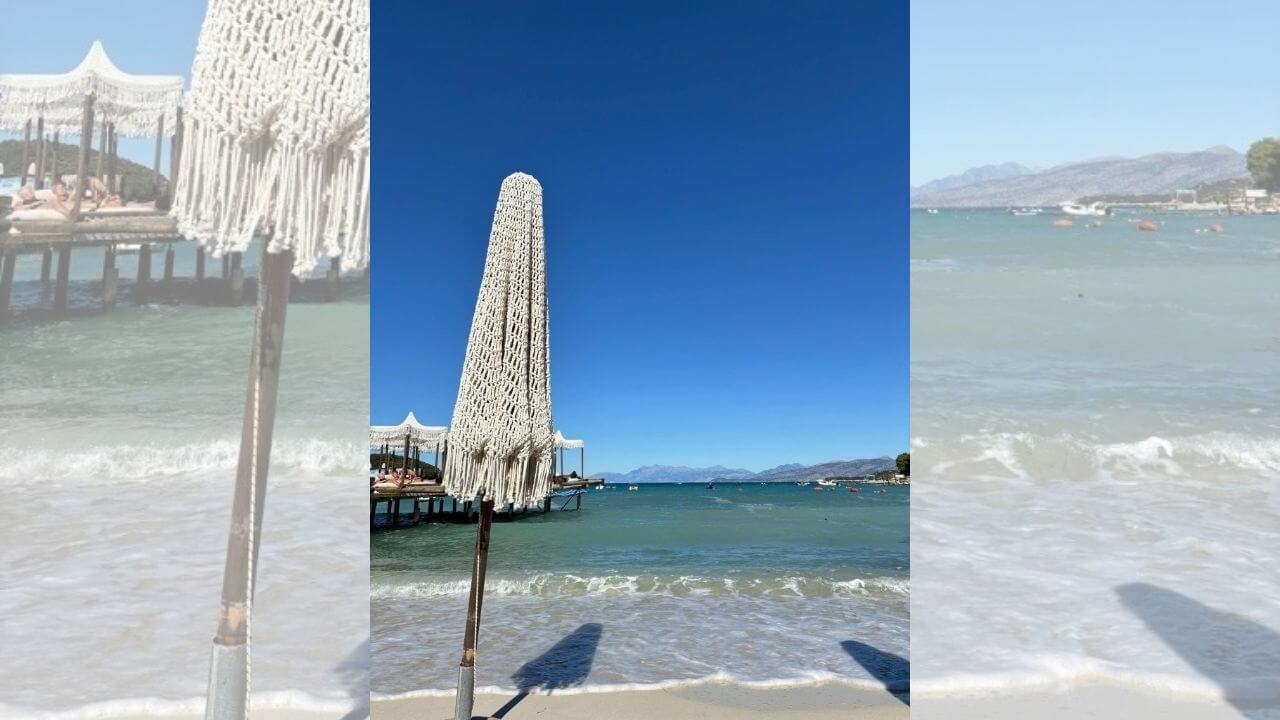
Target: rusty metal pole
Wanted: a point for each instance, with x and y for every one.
(229, 666)
(467, 669)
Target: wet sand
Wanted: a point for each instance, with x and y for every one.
(1080, 703)
(715, 701)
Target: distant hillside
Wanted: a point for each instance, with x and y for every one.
(1157, 174)
(138, 182)
(973, 176)
(793, 472)
(674, 473)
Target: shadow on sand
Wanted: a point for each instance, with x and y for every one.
(354, 672)
(890, 670)
(1214, 642)
(565, 665)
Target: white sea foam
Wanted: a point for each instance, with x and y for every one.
(810, 679)
(107, 464)
(569, 585)
(158, 707)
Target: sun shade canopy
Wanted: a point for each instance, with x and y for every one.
(278, 142)
(134, 103)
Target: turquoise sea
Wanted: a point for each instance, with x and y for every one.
(667, 584)
(1096, 447)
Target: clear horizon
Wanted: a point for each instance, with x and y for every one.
(1011, 81)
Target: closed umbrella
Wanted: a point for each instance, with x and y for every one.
(275, 145)
(501, 444)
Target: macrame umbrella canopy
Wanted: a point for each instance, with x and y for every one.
(501, 443)
(278, 142)
(424, 436)
(134, 103)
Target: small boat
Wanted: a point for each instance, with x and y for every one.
(1148, 225)
(853, 489)
(932, 211)
(632, 487)
(827, 483)
(711, 486)
(1025, 212)
(1092, 209)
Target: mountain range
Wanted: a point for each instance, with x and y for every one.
(1012, 184)
(791, 472)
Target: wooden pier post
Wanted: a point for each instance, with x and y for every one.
(199, 263)
(113, 162)
(53, 164)
(64, 278)
(229, 666)
(475, 600)
(168, 272)
(110, 277)
(26, 153)
(141, 286)
(40, 151)
(578, 506)
(546, 504)
(6, 282)
(82, 162)
(155, 167)
(333, 279)
(417, 511)
(102, 148)
(175, 151)
(46, 265)
(235, 281)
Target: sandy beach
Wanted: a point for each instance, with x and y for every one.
(1088, 701)
(712, 701)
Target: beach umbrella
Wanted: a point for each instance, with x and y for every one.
(275, 145)
(501, 444)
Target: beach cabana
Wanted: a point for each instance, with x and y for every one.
(501, 442)
(563, 444)
(124, 103)
(276, 141)
(415, 436)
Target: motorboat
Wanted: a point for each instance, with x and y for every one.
(1096, 209)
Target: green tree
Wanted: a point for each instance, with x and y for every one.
(904, 463)
(1263, 161)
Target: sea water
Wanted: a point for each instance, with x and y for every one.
(119, 435)
(665, 585)
(1096, 444)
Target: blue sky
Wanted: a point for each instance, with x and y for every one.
(1043, 83)
(725, 197)
(141, 36)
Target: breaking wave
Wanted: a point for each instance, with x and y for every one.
(563, 584)
(1021, 455)
(147, 461)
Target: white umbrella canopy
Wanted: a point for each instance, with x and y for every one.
(134, 103)
(276, 133)
(501, 443)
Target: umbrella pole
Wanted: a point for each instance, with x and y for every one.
(467, 669)
(229, 665)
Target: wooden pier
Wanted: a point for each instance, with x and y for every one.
(428, 503)
(150, 230)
